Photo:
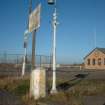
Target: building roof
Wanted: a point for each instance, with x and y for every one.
(102, 50)
(97, 48)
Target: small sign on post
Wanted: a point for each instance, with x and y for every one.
(26, 35)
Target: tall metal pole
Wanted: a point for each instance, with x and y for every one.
(33, 49)
(95, 44)
(26, 39)
(54, 90)
(24, 61)
(33, 40)
(54, 22)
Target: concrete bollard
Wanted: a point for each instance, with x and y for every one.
(38, 83)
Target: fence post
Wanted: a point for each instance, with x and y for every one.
(17, 59)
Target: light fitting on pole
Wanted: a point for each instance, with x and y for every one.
(51, 2)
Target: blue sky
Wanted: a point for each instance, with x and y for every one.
(75, 34)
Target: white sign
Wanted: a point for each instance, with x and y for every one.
(34, 19)
(26, 35)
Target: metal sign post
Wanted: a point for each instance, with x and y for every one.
(26, 34)
(34, 24)
(33, 49)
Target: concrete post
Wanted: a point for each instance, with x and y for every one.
(24, 61)
(38, 83)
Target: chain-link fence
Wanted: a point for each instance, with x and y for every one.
(11, 64)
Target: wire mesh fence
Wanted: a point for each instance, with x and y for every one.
(11, 64)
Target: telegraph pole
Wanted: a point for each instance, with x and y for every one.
(34, 24)
(95, 44)
(33, 48)
(33, 39)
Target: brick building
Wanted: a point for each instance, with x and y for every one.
(95, 59)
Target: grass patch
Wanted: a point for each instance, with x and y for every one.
(22, 88)
(90, 87)
(73, 96)
(62, 98)
(18, 87)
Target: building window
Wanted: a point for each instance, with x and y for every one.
(104, 61)
(99, 61)
(88, 61)
(94, 61)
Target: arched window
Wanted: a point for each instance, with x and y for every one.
(104, 61)
(88, 61)
(94, 62)
(99, 61)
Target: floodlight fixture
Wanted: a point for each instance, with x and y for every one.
(51, 2)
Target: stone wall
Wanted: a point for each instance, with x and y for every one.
(98, 57)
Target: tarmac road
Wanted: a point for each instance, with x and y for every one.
(7, 98)
(72, 72)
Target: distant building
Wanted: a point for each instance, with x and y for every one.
(95, 59)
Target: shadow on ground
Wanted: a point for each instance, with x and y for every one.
(70, 83)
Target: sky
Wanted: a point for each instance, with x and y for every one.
(81, 25)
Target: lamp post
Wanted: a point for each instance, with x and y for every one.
(51, 2)
(54, 23)
(54, 90)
